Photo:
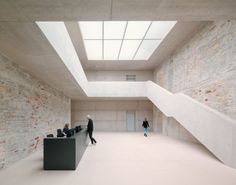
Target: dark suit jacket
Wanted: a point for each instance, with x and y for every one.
(145, 124)
(90, 125)
(65, 130)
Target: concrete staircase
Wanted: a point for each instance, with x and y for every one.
(214, 130)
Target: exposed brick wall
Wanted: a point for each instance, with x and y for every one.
(29, 109)
(205, 67)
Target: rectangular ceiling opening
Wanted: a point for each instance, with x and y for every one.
(123, 40)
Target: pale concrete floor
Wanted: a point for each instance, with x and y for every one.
(128, 159)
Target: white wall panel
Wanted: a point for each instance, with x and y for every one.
(111, 115)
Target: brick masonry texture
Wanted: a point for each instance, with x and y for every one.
(29, 110)
(205, 67)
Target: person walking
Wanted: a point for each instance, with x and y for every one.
(90, 129)
(145, 126)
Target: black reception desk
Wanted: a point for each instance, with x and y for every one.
(64, 153)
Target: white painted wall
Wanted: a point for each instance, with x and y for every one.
(118, 75)
(116, 89)
(110, 115)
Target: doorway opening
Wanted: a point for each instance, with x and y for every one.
(130, 121)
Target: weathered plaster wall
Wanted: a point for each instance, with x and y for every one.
(203, 68)
(29, 110)
(111, 115)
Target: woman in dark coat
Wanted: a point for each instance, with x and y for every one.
(145, 126)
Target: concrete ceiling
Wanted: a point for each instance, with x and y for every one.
(73, 10)
(23, 43)
(181, 31)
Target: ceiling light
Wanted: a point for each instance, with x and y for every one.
(159, 29)
(111, 49)
(128, 49)
(91, 29)
(146, 49)
(93, 49)
(136, 29)
(114, 29)
(123, 40)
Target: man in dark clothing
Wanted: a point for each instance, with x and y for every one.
(145, 126)
(90, 129)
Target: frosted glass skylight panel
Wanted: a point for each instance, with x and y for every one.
(136, 29)
(123, 40)
(128, 49)
(114, 29)
(111, 49)
(159, 29)
(91, 29)
(93, 49)
(146, 49)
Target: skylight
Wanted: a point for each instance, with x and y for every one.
(123, 40)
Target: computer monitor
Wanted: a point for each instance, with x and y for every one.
(70, 132)
(78, 128)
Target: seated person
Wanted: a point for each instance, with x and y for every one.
(66, 129)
